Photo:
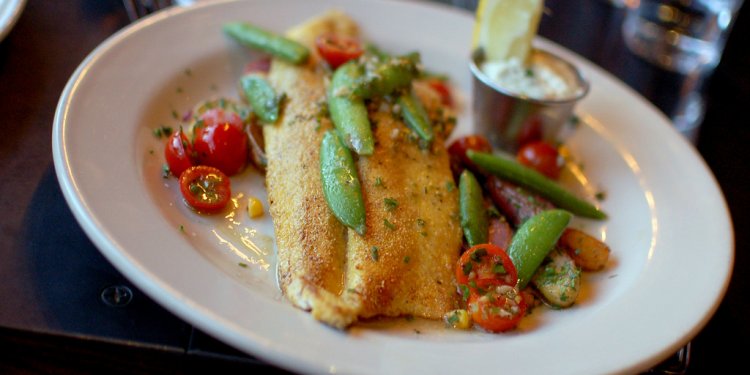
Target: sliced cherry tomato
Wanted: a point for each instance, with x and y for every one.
(457, 151)
(220, 141)
(205, 189)
(260, 65)
(531, 131)
(441, 87)
(485, 265)
(338, 49)
(178, 152)
(542, 157)
(499, 309)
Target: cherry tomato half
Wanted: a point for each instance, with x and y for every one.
(498, 310)
(457, 151)
(485, 265)
(441, 87)
(205, 189)
(338, 49)
(542, 157)
(220, 141)
(178, 153)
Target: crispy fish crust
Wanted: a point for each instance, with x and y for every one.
(404, 263)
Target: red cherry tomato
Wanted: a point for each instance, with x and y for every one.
(457, 151)
(542, 157)
(205, 189)
(485, 265)
(499, 309)
(220, 141)
(178, 153)
(441, 87)
(338, 49)
(531, 130)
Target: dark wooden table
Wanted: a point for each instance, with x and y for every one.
(53, 282)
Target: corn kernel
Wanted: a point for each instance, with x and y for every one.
(254, 207)
(458, 319)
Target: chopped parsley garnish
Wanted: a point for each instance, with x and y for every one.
(163, 131)
(243, 265)
(165, 170)
(379, 182)
(600, 196)
(374, 253)
(390, 204)
(465, 291)
(388, 224)
(407, 259)
(449, 185)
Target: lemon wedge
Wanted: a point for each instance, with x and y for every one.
(505, 28)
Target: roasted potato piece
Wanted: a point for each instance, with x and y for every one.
(558, 279)
(588, 252)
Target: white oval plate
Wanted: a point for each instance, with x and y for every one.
(669, 227)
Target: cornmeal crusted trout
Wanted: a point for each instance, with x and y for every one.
(404, 264)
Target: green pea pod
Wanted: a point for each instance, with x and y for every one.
(474, 220)
(534, 240)
(386, 77)
(262, 97)
(349, 114)
(341, 186)
(535, 181)
(415, 116)
(264, 40)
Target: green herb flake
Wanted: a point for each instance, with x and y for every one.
(467, 268)
(175, 115)
(243, 265)
(453, 319)
(407, 259)
(499, 269)
(374, 253)
(449, 185)
(165, 170)
(477, 255)
(421, 222)
(529, 73)
(390, 204)
(388, 224)
(182, 228)
(601, 195)
(409, 318)
(379, 182)
(464, 292)
(493, 212)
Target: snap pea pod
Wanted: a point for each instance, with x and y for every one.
(474, 221)
(534, 240)
(262, 97)
(341, 186)
(267, 41)
(415, 116)
(387, 76)
(536, 182)
(349, 114)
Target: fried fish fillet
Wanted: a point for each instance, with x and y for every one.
(404, 263)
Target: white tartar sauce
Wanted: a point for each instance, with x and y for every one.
(543, 78)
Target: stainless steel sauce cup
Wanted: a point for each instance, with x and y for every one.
(508, 119)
